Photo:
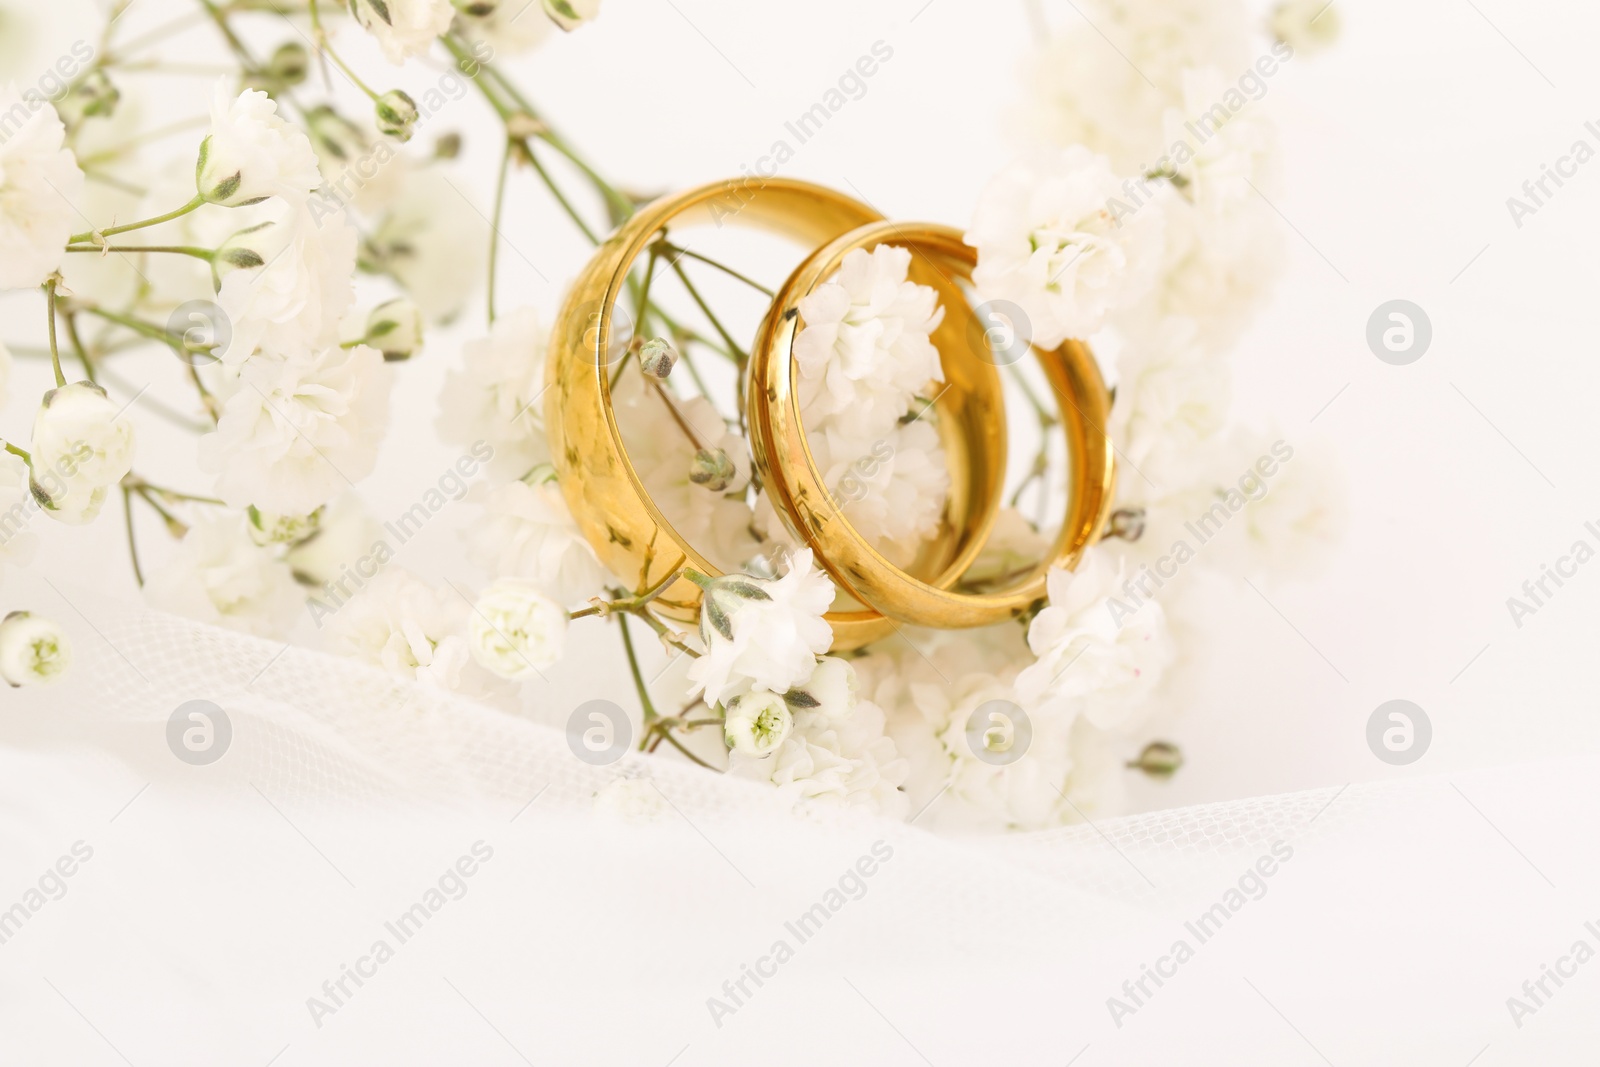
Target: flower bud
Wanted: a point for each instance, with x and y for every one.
(94, 96)
(397, 114)
(1126, 523)
(712, 469)
(516, 630)
(33, 651)
(448, 146)
(395, 329)
(82, 445)
(251, 153)
(1160, 760)
(757, 723)
(570, 14)
(831, 688)
(333, 136)
(657, 357)
(245, 250)
(288, 66)
(722, 598)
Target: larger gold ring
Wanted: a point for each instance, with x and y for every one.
(607, 497)
(791, 475)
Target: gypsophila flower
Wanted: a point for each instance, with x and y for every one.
(528, 532)
(221, 576)
(864, 352)
(407, 627)
(82, 445)
(297, 429)
(295, 299)
(833, 687)
(762, 634)
(892, 490)
(756, 723)
(1221, 142)
(630, 799)
(515, 630)
(40, 184)
(251, 153)
(33, 651)
(498, 393)
(1098, 641)
(1287, 504)
(1171, 401)
(404, 28)
(840, 758)
(1057, 236)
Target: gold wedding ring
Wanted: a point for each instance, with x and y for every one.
(616, 514)
(814, 514)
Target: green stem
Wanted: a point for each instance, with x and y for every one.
(179, 250)
(155, 333)
(92, 236)
(15, 451)
(723, 267)
(133, 549)
(716, 323)
(494, 223)
(561, 197)
(648, 707)
(50, 310)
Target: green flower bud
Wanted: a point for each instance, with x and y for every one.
(657, 357)
(712, 469)
(1160, 760)
(395, 329)
(397, 115)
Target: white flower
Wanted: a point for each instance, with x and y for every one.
(892, 490)
(33, 651)
(1056, 235)
(1105, 82)
(1171, 401)
(82, 445)
(220, 576)
(515, 630)
(1215, 271)
(763, 635)
(864, 352)
(404, 28)
(297, 429)
(251, 153)
(295, 299)
(1220, 142)
(837, 757)
(17, 508)
(1012, 551)
(528, 532)
(405, 626)
(834, 687)
(757, 723)
(40, 186)
(1097, 641)
(1306, 25)
(432, 241)
(498, 394)
(512, 26)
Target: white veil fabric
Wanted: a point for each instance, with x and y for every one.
(376, 872)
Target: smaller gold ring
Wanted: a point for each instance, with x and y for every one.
(790, 472)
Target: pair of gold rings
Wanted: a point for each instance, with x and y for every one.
(632, 536)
